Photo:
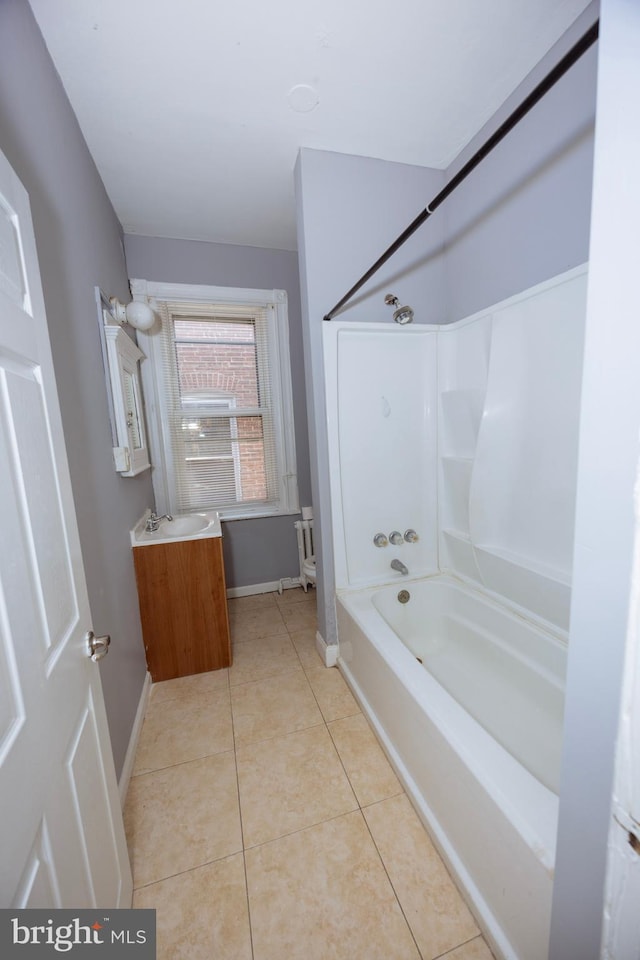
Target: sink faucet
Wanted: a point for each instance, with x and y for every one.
(400, 567)
(153, 521)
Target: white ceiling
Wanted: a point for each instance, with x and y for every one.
(189, 108)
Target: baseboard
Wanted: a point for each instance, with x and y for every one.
(130, 756)
(271, 587)
(329, 652)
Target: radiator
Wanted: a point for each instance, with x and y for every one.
(306, 553)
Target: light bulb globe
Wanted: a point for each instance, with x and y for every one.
(140, 315)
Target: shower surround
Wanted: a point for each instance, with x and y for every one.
(468, 434)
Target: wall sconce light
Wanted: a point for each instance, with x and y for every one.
(137, 314)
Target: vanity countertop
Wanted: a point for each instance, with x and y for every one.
(186, 526)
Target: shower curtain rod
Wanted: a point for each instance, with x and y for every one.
(536, 94)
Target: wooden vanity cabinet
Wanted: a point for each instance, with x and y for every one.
(183, 607)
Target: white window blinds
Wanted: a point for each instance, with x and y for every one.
(220, 373)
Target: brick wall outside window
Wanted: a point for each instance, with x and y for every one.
(225, 369)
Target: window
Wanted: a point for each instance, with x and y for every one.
(222, 417)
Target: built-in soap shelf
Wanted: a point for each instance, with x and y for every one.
(460, 418)
(459, 554)
(539, 588)
(461, 415)
(542, 570)
(457, 481)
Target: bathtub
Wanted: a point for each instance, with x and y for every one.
(466, 697)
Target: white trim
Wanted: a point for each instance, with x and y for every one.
(271, 586)
(154, 419)
(329, 652)
(130, 756)
(149, 289)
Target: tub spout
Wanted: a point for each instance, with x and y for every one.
(399, 566)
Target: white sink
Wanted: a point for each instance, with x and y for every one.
(183, 526)
(187, 526)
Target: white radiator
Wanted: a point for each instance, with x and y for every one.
(306, 553)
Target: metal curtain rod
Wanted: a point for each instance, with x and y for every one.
(536, 94)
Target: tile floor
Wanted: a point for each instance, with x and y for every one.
(265, 822)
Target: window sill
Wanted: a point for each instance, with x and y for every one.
(229, 514)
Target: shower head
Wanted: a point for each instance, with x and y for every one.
(401, 315)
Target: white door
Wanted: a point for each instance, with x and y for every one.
(621, 933)
(63, 841)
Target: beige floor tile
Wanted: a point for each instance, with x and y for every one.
(305, 643)
(182, 817)
(290, 782)
(249, 624)
(265, 657)
(476, 949)
(435, 911)
(201, 914)
(323, 893)
(295, 595)
(272, 707)
(185, 729)
(256, 601)
(198, 684)
(332, 693)
(299, 616)
(368, 769)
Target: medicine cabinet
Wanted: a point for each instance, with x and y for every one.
(131, 454)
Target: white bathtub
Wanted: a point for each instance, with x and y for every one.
(475, 735)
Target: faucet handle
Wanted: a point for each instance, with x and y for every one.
(411, 536)
(380, 540)
(153, 521)
(396, 538)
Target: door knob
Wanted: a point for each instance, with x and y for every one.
(98, 647)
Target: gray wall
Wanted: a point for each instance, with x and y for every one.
(522, 216)
(261, 550)
(349, 210)
(79, 246)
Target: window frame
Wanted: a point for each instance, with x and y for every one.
(163, 472)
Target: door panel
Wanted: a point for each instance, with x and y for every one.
(63, 837)
(38, 886)
(85, 769)
(35, 476)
